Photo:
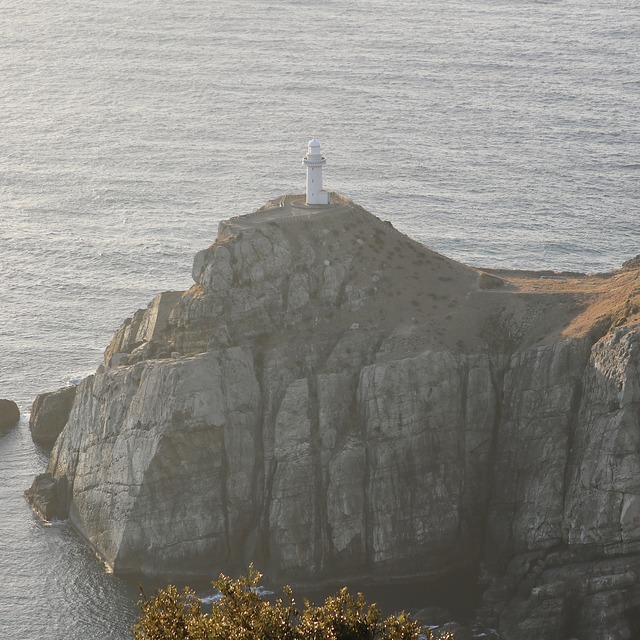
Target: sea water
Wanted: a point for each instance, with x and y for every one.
(501, 133)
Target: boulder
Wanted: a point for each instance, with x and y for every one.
(9, 414)
(49, 415)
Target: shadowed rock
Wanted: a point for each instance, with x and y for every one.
(49, 496)
(49, 415)
(9, 414)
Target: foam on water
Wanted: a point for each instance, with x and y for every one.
(263, 592)
(501, 133)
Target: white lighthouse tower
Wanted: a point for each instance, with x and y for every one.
(314, 162)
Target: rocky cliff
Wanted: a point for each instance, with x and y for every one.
(333, 400)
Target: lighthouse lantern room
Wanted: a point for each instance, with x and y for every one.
(314, 161)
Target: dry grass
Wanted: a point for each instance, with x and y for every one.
(612, 298)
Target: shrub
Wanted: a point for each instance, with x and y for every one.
(242, 614)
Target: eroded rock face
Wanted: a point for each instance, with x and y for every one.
(575, 568)
(135, 340)
(331, 400)
(159, 497)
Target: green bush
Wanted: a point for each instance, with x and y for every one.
(242, 614)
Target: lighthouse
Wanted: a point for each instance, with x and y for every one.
(314, 162)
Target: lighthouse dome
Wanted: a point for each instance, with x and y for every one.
(314, 143)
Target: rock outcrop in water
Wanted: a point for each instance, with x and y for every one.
(49, 415)
(333, 400)
(9, 414)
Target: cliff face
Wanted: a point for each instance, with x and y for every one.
(333, 400)
(567, 511)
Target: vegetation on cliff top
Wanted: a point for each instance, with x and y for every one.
(242, 614)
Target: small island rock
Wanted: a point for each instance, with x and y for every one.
(9, 414)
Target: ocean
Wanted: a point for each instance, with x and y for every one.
(502, 133)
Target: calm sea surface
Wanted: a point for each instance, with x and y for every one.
(501, 133)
